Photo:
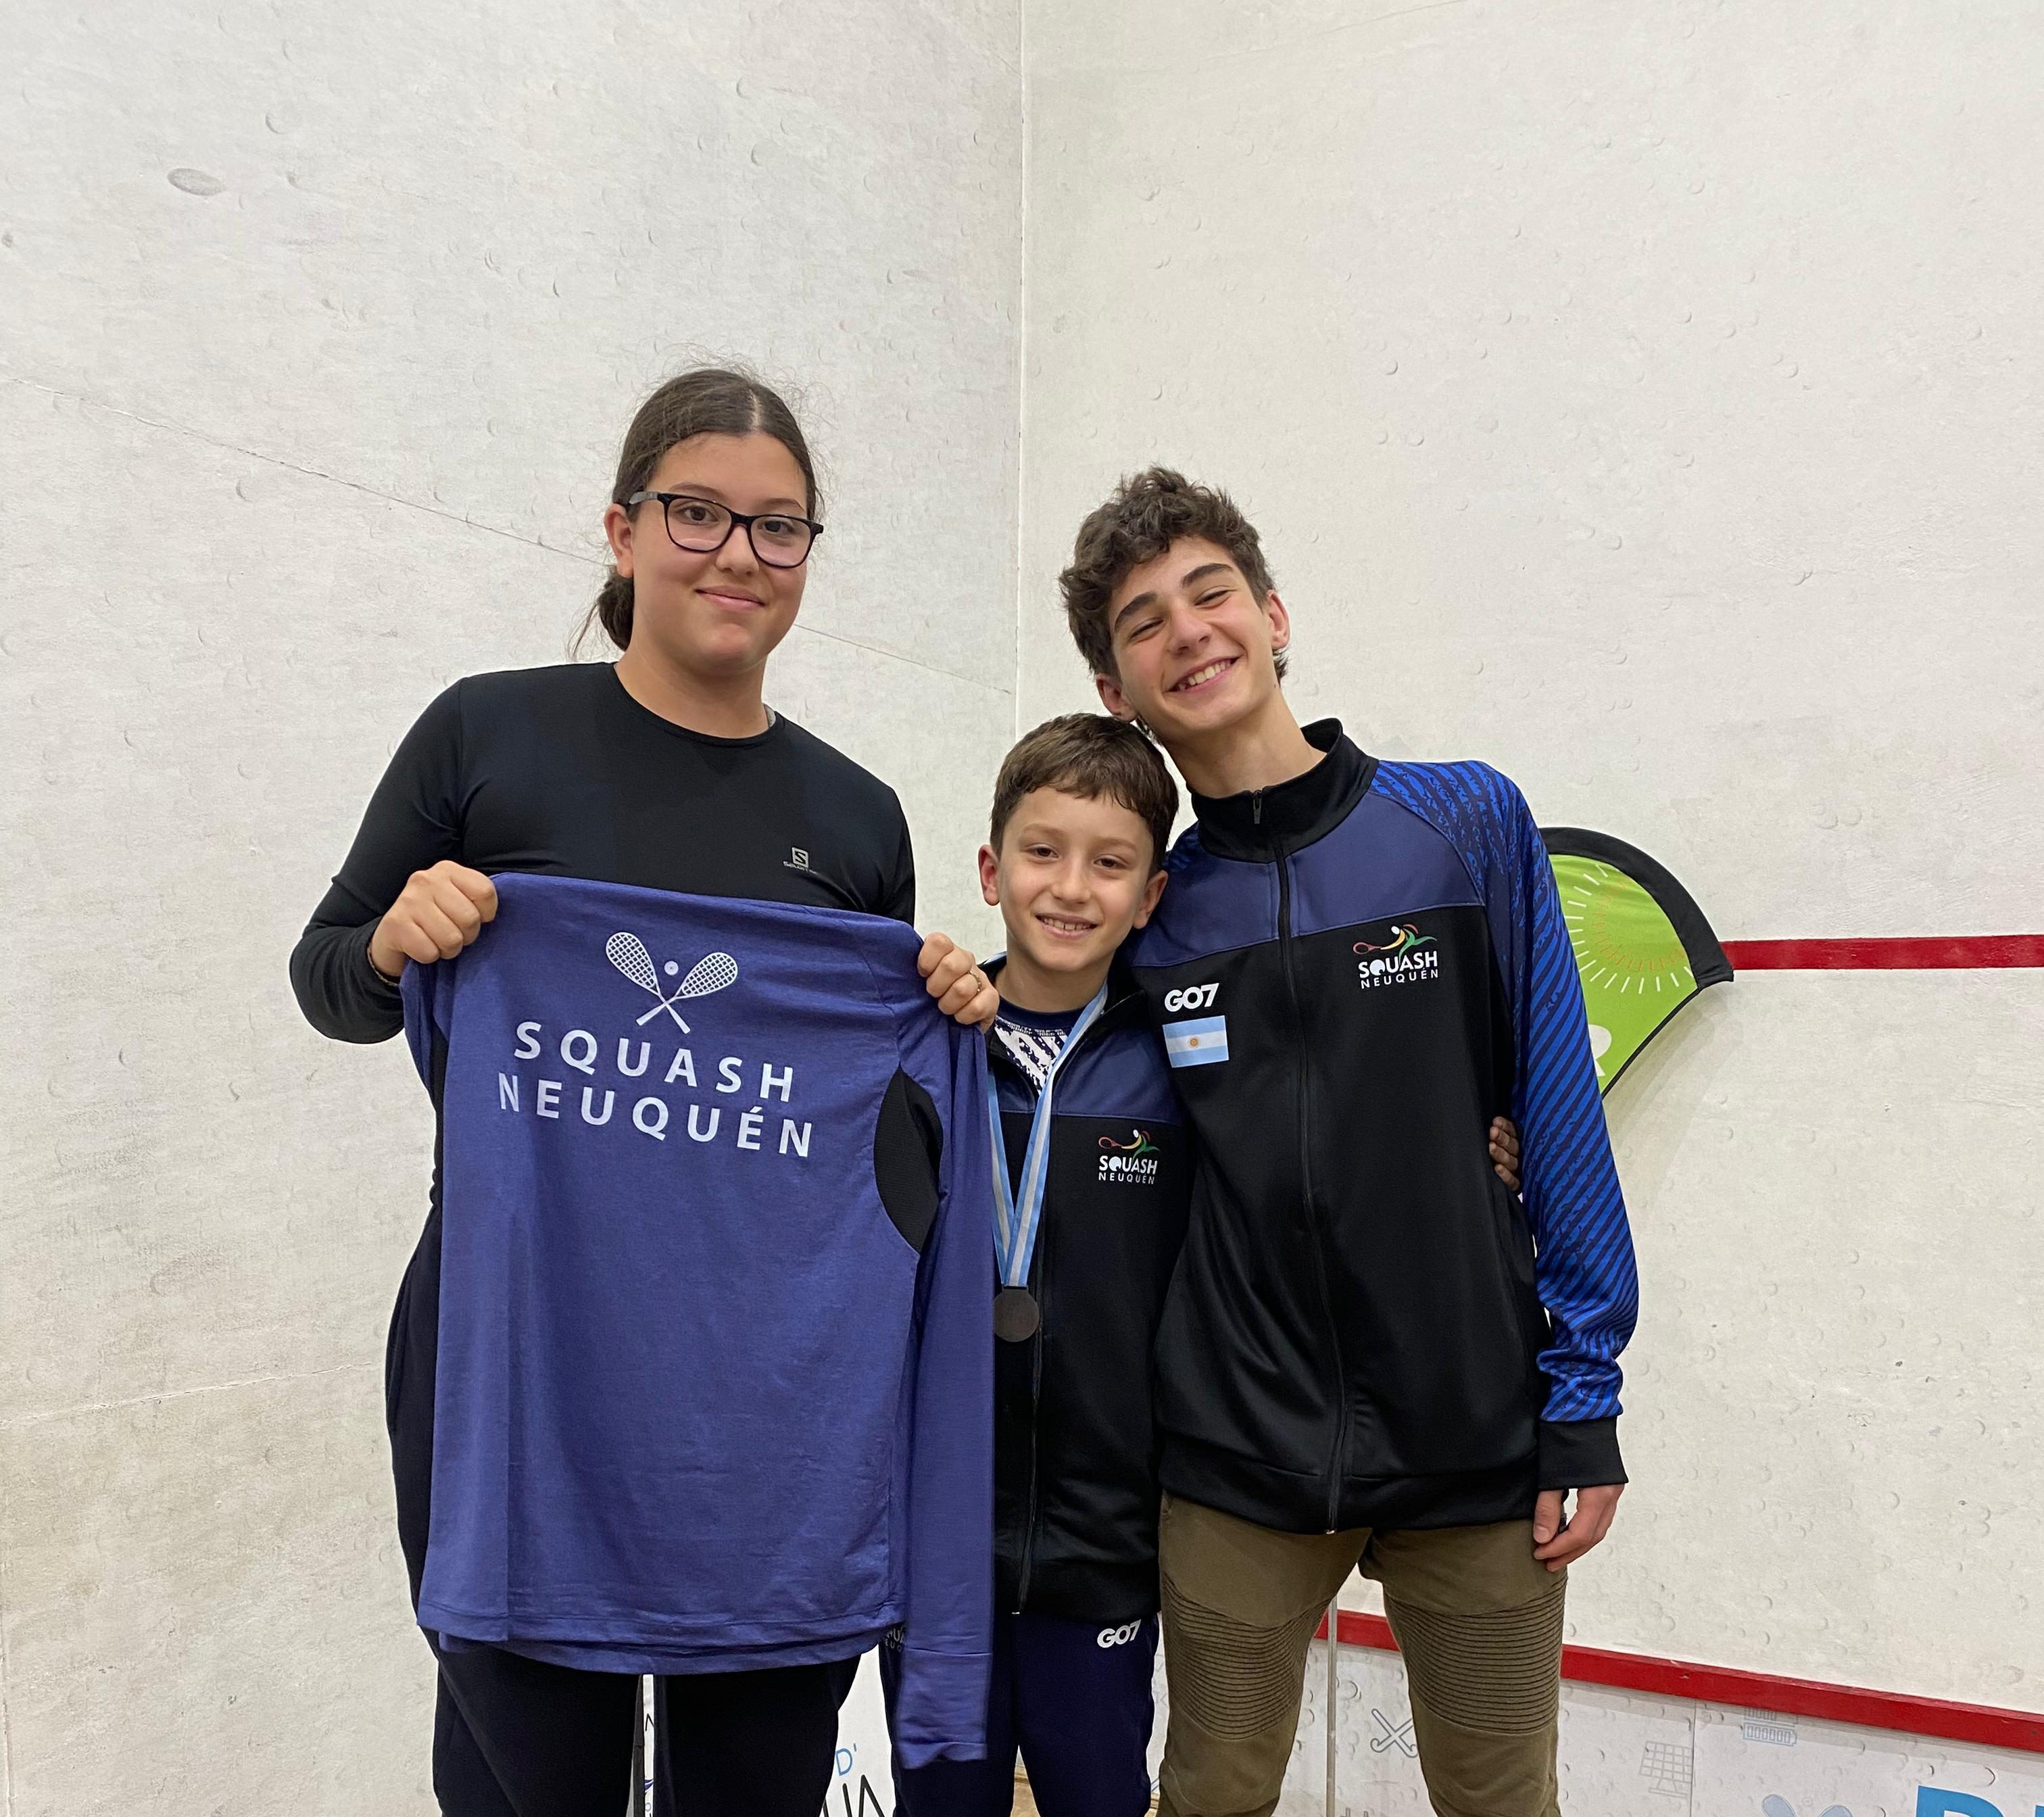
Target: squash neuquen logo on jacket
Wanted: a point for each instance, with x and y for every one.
(581, 1050)
(1130, 1163)
(1410, 957)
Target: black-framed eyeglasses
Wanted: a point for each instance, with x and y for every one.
(702, 526)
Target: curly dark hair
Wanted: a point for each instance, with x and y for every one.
(1145, 514)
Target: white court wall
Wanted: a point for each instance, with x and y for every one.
(1646, 397)
(1642, 397)
(318, 329)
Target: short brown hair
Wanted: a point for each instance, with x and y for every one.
(1092, 756)
(1146, 513)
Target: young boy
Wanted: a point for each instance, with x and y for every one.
(1371, 1355)
(1082, 811)
(1082, 814)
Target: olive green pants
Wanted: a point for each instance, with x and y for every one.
(1478, 1618)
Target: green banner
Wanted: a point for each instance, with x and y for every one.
(1642, 947)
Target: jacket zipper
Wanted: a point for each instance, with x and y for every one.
(1306, 1172)
(1036, 1407)
(1036, 1375)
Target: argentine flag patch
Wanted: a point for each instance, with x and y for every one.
(1201, 1043)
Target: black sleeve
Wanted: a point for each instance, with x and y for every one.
(900, 903)
(414, 820)
(1580, 1453)
(908, 1158)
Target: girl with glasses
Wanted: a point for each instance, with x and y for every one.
(665, 769)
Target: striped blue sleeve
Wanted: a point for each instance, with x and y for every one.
(1584, 1270)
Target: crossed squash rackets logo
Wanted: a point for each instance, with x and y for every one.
(715, 972)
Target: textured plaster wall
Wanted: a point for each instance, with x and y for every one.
(1646, 397)
(1643, 396)
(318, 328)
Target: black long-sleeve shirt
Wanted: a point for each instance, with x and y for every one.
(560, 770)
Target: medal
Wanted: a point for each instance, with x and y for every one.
(1018, 1214)
(1015, 1315)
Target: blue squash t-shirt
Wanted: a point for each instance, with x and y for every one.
(714, 1374)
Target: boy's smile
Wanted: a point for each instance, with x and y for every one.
(1204, 676)
(1063, 927)
(1072, 878)
(1196, 655)
(1194, 646)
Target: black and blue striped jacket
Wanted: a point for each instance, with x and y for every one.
(1354, 971)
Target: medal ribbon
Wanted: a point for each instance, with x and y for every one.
(1016, 1217)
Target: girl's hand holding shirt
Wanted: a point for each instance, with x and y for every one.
(439, 912)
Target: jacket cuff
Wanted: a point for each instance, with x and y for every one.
(1580, 1453)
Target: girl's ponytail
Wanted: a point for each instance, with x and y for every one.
(612, 611)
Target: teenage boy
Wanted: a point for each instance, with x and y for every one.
(1082, 813)
(1371, 1354)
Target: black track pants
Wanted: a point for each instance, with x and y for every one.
(514, 1737)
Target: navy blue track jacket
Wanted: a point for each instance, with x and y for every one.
(1075, 1448)
(1354, 971)
(714, 1376)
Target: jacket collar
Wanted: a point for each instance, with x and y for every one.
(1259, 824)
(1125, 1001)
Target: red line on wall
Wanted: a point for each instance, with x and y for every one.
(1890, 1709)
(1936, 952)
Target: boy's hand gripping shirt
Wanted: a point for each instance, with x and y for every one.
(714, 1381)
(1354, 971)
